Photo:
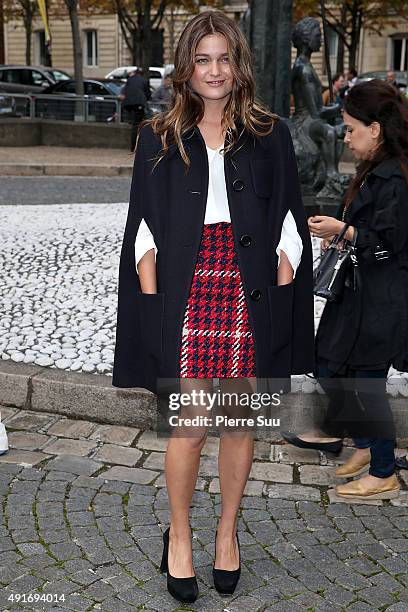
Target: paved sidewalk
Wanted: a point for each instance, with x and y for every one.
(68, 161)
(84, 507)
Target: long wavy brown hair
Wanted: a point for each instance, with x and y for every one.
(187, 108)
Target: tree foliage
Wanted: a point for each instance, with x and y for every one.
(347, 18)
(139, 20)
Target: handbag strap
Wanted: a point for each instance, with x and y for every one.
(340, 236)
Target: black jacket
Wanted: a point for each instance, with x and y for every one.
(368, 328)
(136, 91)
(262, 185)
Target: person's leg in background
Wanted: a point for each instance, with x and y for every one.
(136, 115)
(326, 436)
(382, 464)
(380, 482)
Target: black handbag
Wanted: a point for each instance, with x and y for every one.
(329, 276)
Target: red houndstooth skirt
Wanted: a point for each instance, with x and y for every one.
(217, 340)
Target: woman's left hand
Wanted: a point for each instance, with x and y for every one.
(324, 227)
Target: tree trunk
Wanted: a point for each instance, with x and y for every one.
(355, 33)
(137, 48)
(146, 50)
(340, 57)
(48, 52)
(171, 33)
(2, 50)
(76, 43)
(340, 49)
(28, 24)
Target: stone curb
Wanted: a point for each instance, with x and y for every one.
(74, 394)
(63, 170)
(92, 397)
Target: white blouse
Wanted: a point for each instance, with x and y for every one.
(217, 210)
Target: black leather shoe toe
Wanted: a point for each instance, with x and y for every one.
(330, 447)
(225, 581)
(184, 590)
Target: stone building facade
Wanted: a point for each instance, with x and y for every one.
(104, 47)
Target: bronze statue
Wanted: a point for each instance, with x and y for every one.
(316, 129)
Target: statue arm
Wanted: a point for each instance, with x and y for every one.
(330, 112)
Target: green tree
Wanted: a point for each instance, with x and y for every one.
(347, 18)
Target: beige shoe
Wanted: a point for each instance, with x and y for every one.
(356, 490)
(354, 466)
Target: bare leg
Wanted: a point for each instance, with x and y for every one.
(181, 468)
(234, 464)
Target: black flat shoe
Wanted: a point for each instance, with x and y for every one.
(329, 447)
(182, 589)
(402, 463)
(225, 581)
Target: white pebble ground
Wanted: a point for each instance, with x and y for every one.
(58, 284)
(58, 288)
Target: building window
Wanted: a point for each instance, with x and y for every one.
(40, 48)
(333, 44)
(399, 56)
(91, 48)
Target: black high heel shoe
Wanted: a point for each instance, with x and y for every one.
(328, 447)
(182, 589)
(225, 581)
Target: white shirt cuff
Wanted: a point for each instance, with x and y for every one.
(290, 242)
(144, 242)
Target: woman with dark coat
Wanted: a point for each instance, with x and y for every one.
(366, 332)
(215, 271)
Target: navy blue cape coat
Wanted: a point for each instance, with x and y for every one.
(262, 185)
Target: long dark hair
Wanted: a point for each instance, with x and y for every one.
(379, 101)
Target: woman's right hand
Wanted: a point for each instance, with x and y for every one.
(326, 243)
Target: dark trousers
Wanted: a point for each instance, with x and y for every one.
(358, 405)
(136, 114)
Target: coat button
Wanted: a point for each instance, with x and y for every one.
(238, 185)
(256, 295)
(245, 240)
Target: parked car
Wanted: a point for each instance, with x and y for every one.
(7, 106)
(100, 107)
(27, 80)
(401, 77)
(156, 74)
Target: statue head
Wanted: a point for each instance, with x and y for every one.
(307, 33)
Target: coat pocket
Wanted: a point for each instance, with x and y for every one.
(281, 315)
(150, 307)
(262, 176)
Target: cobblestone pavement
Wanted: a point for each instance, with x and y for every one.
(84, 506)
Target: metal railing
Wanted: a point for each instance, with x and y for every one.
(68, 107)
